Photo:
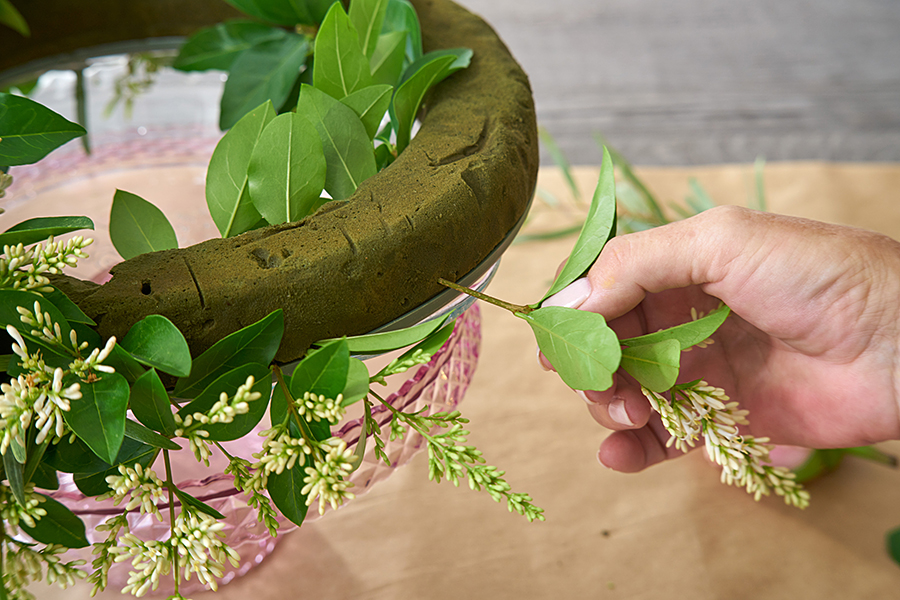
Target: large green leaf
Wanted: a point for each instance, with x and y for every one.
(9, 315)
(40, 228)
(151, 405)
(323, 371)
(136, 431)
(357, 386)
(266, 71)
(58, 526)
(203, 507)
(256, 343)
(228, 384)
(655, 366)
(156, 342)
(379, 343)
(386, 63)
(340, 67)
(349, 156)
(69, 309)
(218, 46)
(286, 173)
(687, 334)
(579, 344)
(227, 195)
(285, 12)
(370, 104)
(401, 16)
(91, 479)
(367, 17)
(99, 417)
(284, 490)
(30, 131)
(123, 363)
(417, 79)
(599, 227)
(15, 474)
(13, 18)
(137, 226)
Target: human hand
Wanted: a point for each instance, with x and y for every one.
(811, 349)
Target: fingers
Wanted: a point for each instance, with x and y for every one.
(622, 406)
(634, 450)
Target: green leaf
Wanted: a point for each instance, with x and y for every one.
(349, 156)
(655, 366)
(628, 173)
(124, 364)
(58, 526)
(151, 405)
(357, 386)
(218, 46)
(156, 342)
(284, 490)
(44, 477)
(15, 470)
(323, 371)
(379, 343)
(893, 544)
(284, 12)
(136, 431)
(73, 456)
(69, 309)
(401, 16)
(227, 194)
(599, 227)
(561, 161)
(13, 18)
(256, 343)
(424, 349)
(266, 71)
(417, 79)
(698, 199)
(10, 299)
(367, 17)
(228, 383)
(99, 417)
(188, 500)
(688, 334)
(137, 226)
(579, 344)
(370, 104)
(386, 63)
(92, 481)
(40, 228)
(30, 131)
(340, 67)
(286, 174)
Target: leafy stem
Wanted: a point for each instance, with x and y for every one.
(513, 308)
(169, 486)
(305, 431)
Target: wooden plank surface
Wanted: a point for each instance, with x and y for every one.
(706, 82)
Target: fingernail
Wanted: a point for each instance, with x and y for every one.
(618, 413)
(541, 362)
(583, 395)
(571, 296)
(599, 460)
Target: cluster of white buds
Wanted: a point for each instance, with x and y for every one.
(37, 395)
(418, 357)
(700, 409)
(192, 430)
(24, 564)
(225, 409)
(280, 451)
(24, 268)
(197, 537)
(316, 407)
(326, 478)
(142, 486)
(151, 561)
(695, 314)
(14, 513)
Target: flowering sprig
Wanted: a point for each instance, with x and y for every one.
(695, 409)
(24, 564)
(143, 488)
(325, 479)
(198, 539)
(24, 268)
(247, 481)
(450, 457)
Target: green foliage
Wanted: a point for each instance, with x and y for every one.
(284, 490)
(419, 77)
(90, 478)
(203, 507)
(256, 343)
(99, 417)
(14, 469)
(370, 104)
(67, 308)
(367, 17)
(892, 540)
(688, 334)
(58, 526)
(357, 382)
(655, 366)
(151, 405)
(419, 354)
(136, 226)
(341, 67)
(286, 172)
(227, 383)
(322, 371)
(30, 131)
(579, 344)
(284, 12)
(136, 431)
(386, 63)
(266, 71)
(227, 192)
(12, 18)
(218, 46)
(379, 343)
(599, 227)
(349, 157)
(40, 228)
(156, 342)
(401, 16)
